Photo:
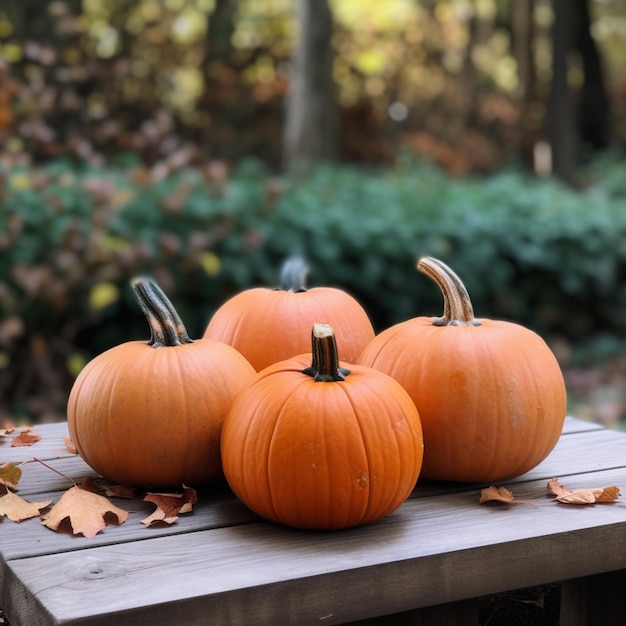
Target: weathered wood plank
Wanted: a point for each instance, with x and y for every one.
(587, 452)
(582, 452)
(50, 446)
(31, 538)
(575, 425)
(602, 449)
(36, 478)
(262, 573)
(431, 550)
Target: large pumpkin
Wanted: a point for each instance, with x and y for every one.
(270, 325)
(314, 445)
(150, 414)
(490, 394)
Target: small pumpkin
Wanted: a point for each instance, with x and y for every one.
(490, 393)
(314, 445)
(150, 414)
(270, 325)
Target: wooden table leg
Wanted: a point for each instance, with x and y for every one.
(594, 600)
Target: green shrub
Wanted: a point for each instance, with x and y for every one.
(71, 238)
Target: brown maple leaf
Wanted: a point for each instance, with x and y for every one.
(582, 496)
(25, 438)
(17, 509)
(87, 512)
(170, 505)
(10, 475)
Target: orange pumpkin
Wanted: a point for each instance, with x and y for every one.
(150, 414)
(322, 447)
(270, 325)
(490, 394)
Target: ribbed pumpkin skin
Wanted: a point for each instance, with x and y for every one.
(152, 417)
(322, 455)
(491, 398)
(268, 326)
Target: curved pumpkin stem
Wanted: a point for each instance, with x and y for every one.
(293, 275)
(166, 327)
(457, 306)
(325, 363)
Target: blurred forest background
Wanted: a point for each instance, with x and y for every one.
(204, 141)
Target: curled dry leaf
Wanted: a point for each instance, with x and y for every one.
(500, 494)
(87, 512)
(69, 445)
(582, 496)
(7, 428)
(170, 505)
(10, 475)
(111, 491)
(495, 494)
(120, 491)
(89, 484)
(17, 509)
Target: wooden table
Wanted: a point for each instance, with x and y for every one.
(220, 564)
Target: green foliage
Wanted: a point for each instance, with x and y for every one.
(528, 250)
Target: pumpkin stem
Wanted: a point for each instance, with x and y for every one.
(325, 360)
(457, 306)
(293, 275)
(166, 327)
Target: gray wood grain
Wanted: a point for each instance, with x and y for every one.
(221, 564)
(436, 549)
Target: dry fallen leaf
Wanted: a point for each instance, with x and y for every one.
(7, 428)
(25, 438)
(10, 475)
(120, 491)
(88, 512)
(17, 509)
(69, 445)
(170, 505)
(111, 491)
(582, 496)
(89, 484)
(495, 494)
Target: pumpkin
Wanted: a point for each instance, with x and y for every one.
(490, 393)
(150, 414)
(270, 325)
(311, 444)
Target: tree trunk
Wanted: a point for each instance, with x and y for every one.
(220, 30)
(575, 115)
(311, 123)
(594, 102)
(561, 118)
(523, 45)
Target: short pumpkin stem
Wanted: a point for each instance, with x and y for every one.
(293, 275)
(457, 306)
(166, 327)
(325, 359)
